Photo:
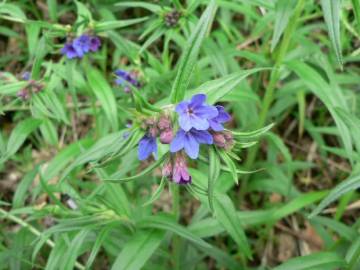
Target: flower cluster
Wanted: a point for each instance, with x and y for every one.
(199, 123)
(32, 87)
(124, 77)
(80, 46)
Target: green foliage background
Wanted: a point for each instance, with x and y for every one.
(288, 71)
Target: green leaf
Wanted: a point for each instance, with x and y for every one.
(138, 250)
(168, 223)
(19, 135)
(331, 9)
(320, 260)
(110, 25)
(214, 172)
(12, 88)
(22, 188)
(141, 174)
(217, 89)
(157, 193)
(230, 165)
(134, 4)
(226, 214)
(283, 12)
(73, 250)
(103, 92)
(352, 183)
(190, 54)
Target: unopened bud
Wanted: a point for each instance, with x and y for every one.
(153, 132)
(164, 123)
(219, 139)
(23, 94)
(167, 169)
(166, 136)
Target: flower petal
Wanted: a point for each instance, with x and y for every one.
(147, 145)
(223, 116)
(197, 100)
(206, 111)
(216, 126)
(202, 136)
(191, 146)
(185, 122)
(198, 123)
(182, 107)
(178, 142)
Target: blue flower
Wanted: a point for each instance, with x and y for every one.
(124, 76)
(82, 45)
(190, 141)
(69, 51)
(195, 114)
(222, 117)
(147, 146)
(26, 76)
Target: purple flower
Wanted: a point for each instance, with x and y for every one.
(195, 114)
(69, 51)
(222, 117)
(147, 146)
(95, 43)
(82, 45)
(124, 76)
(190, 141)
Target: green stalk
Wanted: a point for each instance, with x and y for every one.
(176, 212)
(33, 230)
(356, 6)
(270, 90)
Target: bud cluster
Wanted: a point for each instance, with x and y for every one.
(172, 18)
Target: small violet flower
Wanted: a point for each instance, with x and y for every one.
(190, 141)
(195, 114)
(80, 46)
(222, 117)
(124, 77)
(26, 76)
(147, 146)
(69, 51)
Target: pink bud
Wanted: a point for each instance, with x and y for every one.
(23, 94)
(167, 169)
(164, 123)
(166, 136)
(219, 139)
(153, 132)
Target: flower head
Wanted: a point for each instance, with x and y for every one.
(222, 117)
(147, 146)
(82, 45)
(195, 114)
(69, 50)
(190, 141)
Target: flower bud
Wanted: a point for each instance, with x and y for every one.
(166, 136)
(37, 87)
(153, 131)
(219, 139)
(180, 174)
(167, 169)
(23, 94)
(164, 122)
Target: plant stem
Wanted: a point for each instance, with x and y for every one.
(176, 212)
(270, 90)
(33, 230)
